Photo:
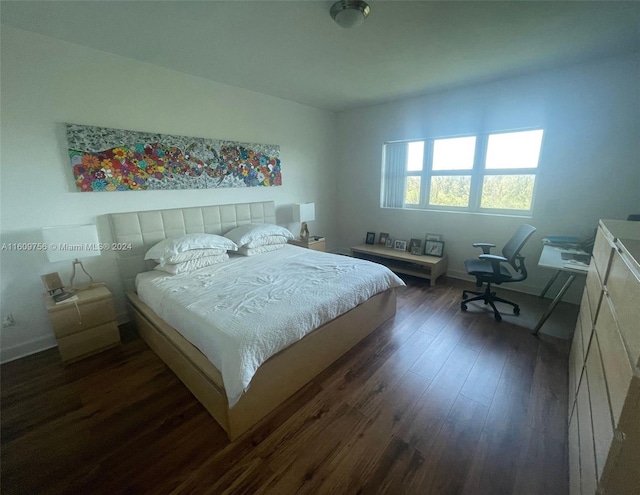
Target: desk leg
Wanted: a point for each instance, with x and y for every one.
(554, 303)
(551, 281)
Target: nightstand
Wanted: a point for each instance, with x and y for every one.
(85, 326)
(314, 242)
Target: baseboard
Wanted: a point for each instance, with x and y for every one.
(26, 349)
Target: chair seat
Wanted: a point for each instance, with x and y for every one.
(484, 269)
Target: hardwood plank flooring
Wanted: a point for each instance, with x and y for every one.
(435, 401)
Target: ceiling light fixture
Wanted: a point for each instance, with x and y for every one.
(349, 13)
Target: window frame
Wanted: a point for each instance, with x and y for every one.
(477, 174)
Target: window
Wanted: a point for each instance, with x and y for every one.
(487, 172)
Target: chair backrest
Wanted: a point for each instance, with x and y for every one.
(512, 248)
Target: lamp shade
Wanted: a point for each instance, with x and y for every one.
(304, 212)
(71, 242)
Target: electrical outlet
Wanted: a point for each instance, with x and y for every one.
(8, 321)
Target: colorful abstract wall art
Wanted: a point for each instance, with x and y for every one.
(106, 159)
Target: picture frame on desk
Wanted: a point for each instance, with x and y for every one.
(434, 248)
(389, 242)
(371, 238)
(415, 246)
(400, 245)
(433, 237)
(382, 239)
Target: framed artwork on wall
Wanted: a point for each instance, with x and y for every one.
(106, 159)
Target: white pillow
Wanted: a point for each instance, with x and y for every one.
(191, 265)
(251, 231)
(192, 255)
(266, 241)
(167, 248)
(245, 251)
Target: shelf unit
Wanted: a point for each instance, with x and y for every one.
(428, 267)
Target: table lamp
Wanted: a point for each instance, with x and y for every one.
(304, 212)
(70, 243)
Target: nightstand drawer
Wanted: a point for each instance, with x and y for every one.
(89, 342)
(71, 319)
(318, 246)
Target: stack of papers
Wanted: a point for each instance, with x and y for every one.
(576, 265)
(562, 241)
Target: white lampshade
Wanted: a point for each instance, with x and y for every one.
(304, 212)
(71, 242)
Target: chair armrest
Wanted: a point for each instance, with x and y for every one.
(492, 257)
(486, 246)
(495, 262)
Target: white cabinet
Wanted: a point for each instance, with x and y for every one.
(604, 374)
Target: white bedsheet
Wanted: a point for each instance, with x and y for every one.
(243, 311)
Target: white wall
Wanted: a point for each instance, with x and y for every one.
(46, 83)
(589, 168)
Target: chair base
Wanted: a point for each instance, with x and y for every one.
(489, 298)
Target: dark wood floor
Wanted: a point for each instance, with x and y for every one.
(435, 401)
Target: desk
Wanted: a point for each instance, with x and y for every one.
(551, 257)
(429, 267)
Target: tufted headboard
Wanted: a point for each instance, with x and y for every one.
(143, 229)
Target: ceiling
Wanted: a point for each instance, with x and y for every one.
(294, 50)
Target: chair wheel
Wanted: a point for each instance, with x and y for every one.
(463, 306)
(498, 317)
(516, 311)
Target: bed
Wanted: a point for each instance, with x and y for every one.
(275, 379)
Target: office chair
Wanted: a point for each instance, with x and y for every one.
(490, 269)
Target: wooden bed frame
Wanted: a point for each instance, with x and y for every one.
(281, 375)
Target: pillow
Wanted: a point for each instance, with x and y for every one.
(245, 251)
(192, 255)
(172, 246)
(194, 264)
(251, 231)
(266, 241)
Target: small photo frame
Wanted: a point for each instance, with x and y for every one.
(434, 237)
(400, 245)
(434, 248)
(389, 242)
(415, 246)
(383, 238)
(371, 238)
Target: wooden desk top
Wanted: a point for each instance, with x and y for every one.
(379, 250)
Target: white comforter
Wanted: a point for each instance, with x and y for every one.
(243, 311)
